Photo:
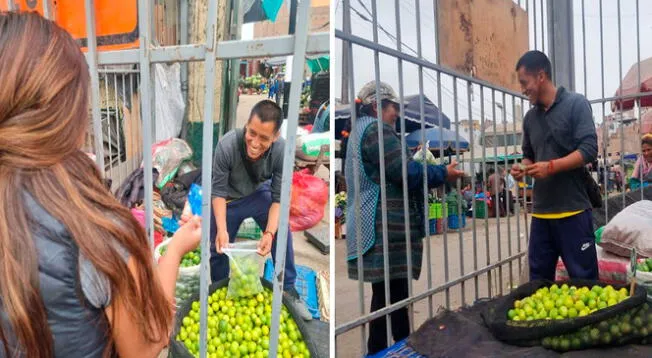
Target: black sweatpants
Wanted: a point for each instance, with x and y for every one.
(398, 290)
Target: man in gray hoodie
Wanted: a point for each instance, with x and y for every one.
(559, 139)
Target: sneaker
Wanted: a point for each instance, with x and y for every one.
(301, 309)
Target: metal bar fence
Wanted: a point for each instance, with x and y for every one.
(505, 239)
(209, 52)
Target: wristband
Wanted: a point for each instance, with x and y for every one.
(268, 232)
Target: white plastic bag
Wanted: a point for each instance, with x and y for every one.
(245, 266)
(169, 101)
(430, 158)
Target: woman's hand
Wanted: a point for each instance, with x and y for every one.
(188, 237)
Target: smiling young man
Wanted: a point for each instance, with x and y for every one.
(247, 174)
(559, 139)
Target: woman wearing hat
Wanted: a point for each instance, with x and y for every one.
(366, 226)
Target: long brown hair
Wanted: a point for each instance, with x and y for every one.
(44, 84)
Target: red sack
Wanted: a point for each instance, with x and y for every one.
(308, 201)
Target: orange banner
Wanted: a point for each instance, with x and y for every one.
(116, 21)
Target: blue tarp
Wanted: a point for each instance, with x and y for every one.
(306, 285)
(433, 135)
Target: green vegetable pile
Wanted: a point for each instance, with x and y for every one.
(240, 328)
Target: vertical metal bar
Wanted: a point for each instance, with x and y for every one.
(620, 107)
(404, 157)
(107, 112)
(300, 42)
(207, 171)
(356, 179)
(586, 90)
(46, 10)
(124, 104)
(11, 6)
(517, 206)
(425, 165)
(473, 213)
(506, 189)
(238, 15)
(536, 44)
(95, 84)
(183, 39)
(437, 50)
(383, 184)
(117, 126)
(638, 81)
(495, 201)
(543, 32)
(484, 187)
(443, 201)
(605, 137)
(459, 190)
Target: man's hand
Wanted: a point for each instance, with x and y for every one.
(453, 172)
(517, 171)
(538, 170)
(265, 243)
(222, 240)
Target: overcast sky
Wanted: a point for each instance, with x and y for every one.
(364, 60)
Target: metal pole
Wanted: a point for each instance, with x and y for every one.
(495, 200)
(356, 183)
(605, 137)
(484, 187)
(473, 186)
(443, 204)
(183, 40)
(207, 171)
(346, 26)
(561, 47)
(638, 79)
(300, 41)
(383, 181)
(426, 208)
(238, 15)
(620, 108)
(95, 84)
(459, 190)
(406, 206)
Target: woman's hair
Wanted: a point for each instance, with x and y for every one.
(647, 139)
(44, 115)
(369, 109)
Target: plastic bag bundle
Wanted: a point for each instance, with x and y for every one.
(245, 267)
(308, 201)
(188, 279)
(167, 156)
(429, 157)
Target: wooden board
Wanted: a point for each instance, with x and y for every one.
(484, 38)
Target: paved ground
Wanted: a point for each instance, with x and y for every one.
(460, 249)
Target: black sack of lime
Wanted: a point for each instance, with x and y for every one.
(245, 266)
(633, 326)
(243, 321)
(531, 332)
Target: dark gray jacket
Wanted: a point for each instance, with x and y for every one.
(79, 329)
(570, 127)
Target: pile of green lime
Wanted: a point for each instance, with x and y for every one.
(244, 280)
(636, 323)
(557, 302)
(240, 328)
(644, 265)
(193, 258)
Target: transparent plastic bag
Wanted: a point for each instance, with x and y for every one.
(245, 266)
(188, 278)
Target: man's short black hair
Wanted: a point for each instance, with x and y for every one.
(268, 111)
(535, 61)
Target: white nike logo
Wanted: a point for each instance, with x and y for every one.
(585, 246)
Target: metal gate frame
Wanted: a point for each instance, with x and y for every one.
(209, 52)
(551, 40)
